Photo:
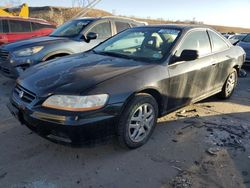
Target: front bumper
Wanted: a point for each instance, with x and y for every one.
(78, 127)
(13, 67)
(10, 71)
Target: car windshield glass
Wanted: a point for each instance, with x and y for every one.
(246, 39)
(238, 37)
(70, 29)
(148, 44)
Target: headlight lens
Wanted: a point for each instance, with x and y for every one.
(28, 51)
(76, 103)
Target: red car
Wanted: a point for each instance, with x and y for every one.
(16, 28)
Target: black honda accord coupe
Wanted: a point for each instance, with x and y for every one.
(126, 83)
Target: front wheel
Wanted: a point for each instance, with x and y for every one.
(229, 85)
(138, 121)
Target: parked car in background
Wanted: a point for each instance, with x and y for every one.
(17, 28)
(227, 35)
(126, 83)
(245, 44)
(72, 37)
(236, 38)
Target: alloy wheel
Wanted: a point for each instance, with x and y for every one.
(141, 122)
(230, 85)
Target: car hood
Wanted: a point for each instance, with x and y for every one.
(75, 74)
(38, 41)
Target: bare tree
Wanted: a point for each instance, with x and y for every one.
(80, 3)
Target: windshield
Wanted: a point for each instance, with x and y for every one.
(150, 44)
(246, 39)
(238, 37)
(70, 29)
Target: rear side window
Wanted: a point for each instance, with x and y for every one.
(103, 30)
(37, 26)
(121, 26)
(197, 40)
(17, 26)
(133, 25)
(218, 43)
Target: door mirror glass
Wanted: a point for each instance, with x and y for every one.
(91, 36)
(189, 55)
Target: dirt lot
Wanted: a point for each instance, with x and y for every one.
(203, 145)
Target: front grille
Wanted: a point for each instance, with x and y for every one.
(23, 94)
(4, 55)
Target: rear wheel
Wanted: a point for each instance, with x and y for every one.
(229, 85)
(138, 121)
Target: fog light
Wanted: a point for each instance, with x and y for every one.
(28, 61)
(11, 61)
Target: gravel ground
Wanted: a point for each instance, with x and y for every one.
(201, 145)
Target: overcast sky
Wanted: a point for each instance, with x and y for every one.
(217, 12)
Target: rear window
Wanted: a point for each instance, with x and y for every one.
(121, 26)
(37, 26)
(17, 26)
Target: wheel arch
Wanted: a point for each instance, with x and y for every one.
(151, 91)
(56, 54)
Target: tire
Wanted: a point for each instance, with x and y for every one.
(229, 85)
(137, 121)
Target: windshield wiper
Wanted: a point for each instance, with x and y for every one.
(113, 54)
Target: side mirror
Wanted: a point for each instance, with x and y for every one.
(91, 36)
(189, 55)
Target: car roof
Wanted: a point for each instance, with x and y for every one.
(25, 19)
(108, 17)
(177, 26)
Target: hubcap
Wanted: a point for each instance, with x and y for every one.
(141, 122)
(230, 83)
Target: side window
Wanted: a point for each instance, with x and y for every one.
(197, 40)
(19, 26)
(37, 26)
(103, 30)
(121, 26)
(4, 28)
(218, 43)
(133, 25)
(1, 26)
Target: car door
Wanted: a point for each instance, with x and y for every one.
(221, 58)
(103, 30)
(19, 30)
(189, 80)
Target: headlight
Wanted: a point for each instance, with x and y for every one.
(76, 103)
(28, 51)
